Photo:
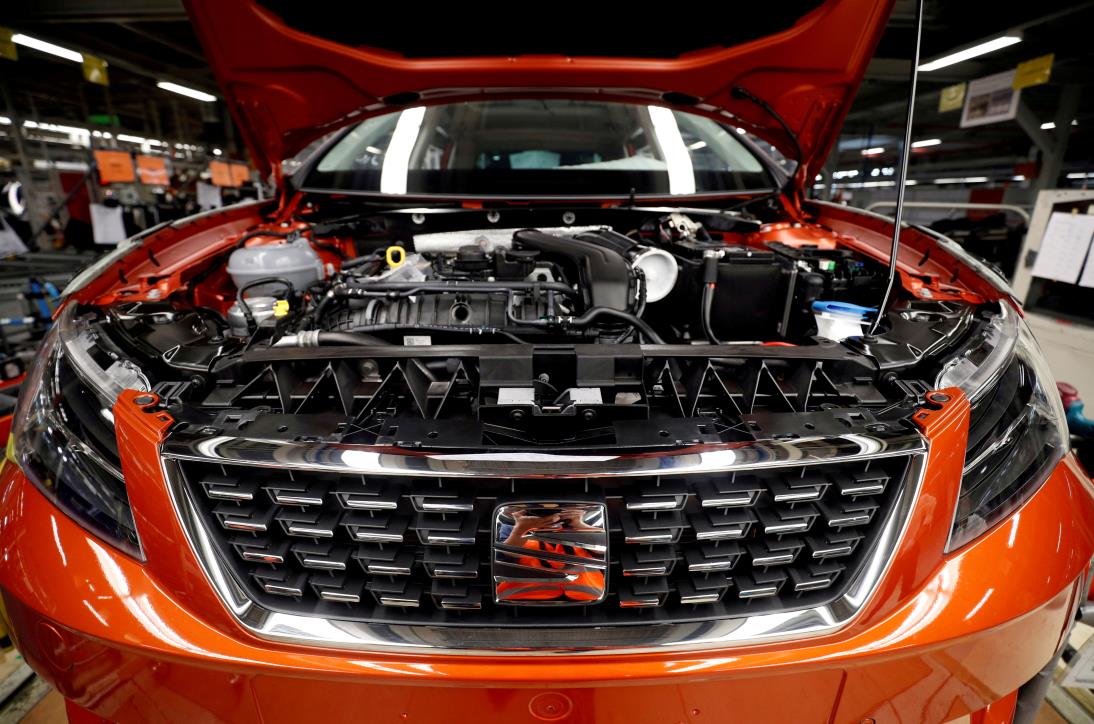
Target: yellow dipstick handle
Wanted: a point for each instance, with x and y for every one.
(396, 255)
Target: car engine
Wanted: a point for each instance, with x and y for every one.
(548, 335)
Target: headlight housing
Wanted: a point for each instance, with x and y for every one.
(1017, 429)
(63, 439)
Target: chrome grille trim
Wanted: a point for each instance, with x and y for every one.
(361, 459)
(489, 641)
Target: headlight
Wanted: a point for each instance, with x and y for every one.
(1017, 430)
(63, 439)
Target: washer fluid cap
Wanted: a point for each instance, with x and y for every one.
(844, 310)
(839, 320)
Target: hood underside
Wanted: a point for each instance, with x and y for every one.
(293, 73)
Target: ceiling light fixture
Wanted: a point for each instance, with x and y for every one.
(41, 45)
(875, 151)
(927, 142)
(184, 91)
(962, 180)
(989, 46)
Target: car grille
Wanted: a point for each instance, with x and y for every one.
(416, 550)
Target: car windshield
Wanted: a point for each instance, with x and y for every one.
(569, 148)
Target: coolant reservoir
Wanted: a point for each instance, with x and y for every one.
(294, 261)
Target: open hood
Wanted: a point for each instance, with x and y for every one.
(292, 72)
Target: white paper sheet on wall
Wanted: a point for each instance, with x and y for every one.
(107, 224)
(1064, 246)
(208, 196)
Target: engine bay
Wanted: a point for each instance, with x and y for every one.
(679, 284)
(438, 331)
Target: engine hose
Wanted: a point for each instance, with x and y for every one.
(710, 283)
(362, 336)
(708, 298)
(358, 261)
(259, 232)
(365, 329)
(588, 318)
(246, 308)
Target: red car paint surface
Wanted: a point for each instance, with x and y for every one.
(942, 636)
(286, 87)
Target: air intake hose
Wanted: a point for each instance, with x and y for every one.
(604, 273)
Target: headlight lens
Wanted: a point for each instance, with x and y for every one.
(1017, 430)
(63, 439)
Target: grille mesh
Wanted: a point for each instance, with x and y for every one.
(417, 550)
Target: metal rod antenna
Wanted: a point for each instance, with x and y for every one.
(905, 153)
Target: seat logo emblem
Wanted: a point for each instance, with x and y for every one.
(550, 553)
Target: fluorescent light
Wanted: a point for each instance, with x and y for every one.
(128, 138)
(76, 135)
(677, 158)
(962, 180)
(876, 150)
(849, 173)
(43, 46)
(184, 91)
(1080, 175)
(698, 145)
(976, 50)
(741, 131)
(5, 121)
(217, 152)
(926, 142)
(393, 174)
(1051, 125)
(60, 165)
(57, 128)
(869, 185)
(1019, 177)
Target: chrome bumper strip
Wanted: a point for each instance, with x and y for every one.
(494, 641)
(371, 460)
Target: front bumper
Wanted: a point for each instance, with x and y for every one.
(114, 640)
(942, 636)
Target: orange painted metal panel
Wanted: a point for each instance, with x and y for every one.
(943, 635)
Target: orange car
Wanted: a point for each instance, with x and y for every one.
(541, 392)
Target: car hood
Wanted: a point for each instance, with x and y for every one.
(292, 72)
